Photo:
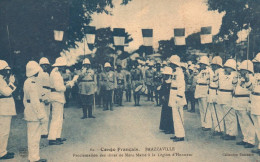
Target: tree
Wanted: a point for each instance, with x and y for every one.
(27, 26)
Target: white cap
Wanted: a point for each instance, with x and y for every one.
(86, 61)
(107, 64)
(167, 70)
(151, 63)
(189, 63)
(247, 65)
(257, 58)
(231, 63)
(185, 65)
(4, 65)
(60, 61)
(44, 60)
(164, 62)
(204, 60)
(175, 59)
(217, 60)
(32, 68)
(191, 67)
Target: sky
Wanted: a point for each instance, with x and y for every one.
(160, 15)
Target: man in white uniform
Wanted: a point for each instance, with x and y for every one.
(255, 100)
(44, 81)
(216, 68)
(34, 112)
(58, 100)
(227, 82)
(177, 98)
(241, 101)
(7, 108)
(201, 93)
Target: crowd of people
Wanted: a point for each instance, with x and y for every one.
(227, 95)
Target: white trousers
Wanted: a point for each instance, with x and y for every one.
(216, 115)
(178, 121)
(204, 113)
(220, 112)
(247, 127)
(5, 124)
(45, 124)
(56, 121)
(34, 137)
(230, 120)
(256, 120)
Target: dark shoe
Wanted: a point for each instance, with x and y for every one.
(91, 116)
(44, 136)
(206, 129)
(138, 105)
(256, 151)
(177, 139)
(241, 143)
(228, 137)
(215, 133)
(55, 142)
(249, 145)
(84, 117)
(173, 137)
(42, 160)
(10, 153)
(61, 139)
(7, 157)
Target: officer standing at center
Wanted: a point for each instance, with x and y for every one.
(58, 101)
(7, 108)
(87, 88)
(177, 98)
(34, 112)
(44, 81)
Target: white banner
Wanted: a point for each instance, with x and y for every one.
(148, 41)
(119, 41)
(179, 41)
(206, 38)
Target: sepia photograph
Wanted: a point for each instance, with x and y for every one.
(129, 80)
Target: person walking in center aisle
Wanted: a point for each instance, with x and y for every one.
(44, 81)
(109, 81)
(216, 68)
(255, 100)
(58, 101)
(121, 84)
(87, 88)
(157, 83)
(177, 98)
(7, 108)
(240, 103)
(227, 81)
(201, 93)
(137, 79)
(166, 122)
(34, 112)
(149, 75)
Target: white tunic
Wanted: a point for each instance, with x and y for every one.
(57, 84)
(255, 96)
(202, 84)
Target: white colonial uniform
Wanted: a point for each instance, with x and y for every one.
(240, 103)
(224, 100)
(201, 93)
(177, 100)
(7, 110)
(44, 80)
(34, 114)
(58, 100)
(255, 102)
(212, 99)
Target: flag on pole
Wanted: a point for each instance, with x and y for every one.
(58, 35)
(206, 35)
(179, 36)
(147, 37)
(90, 36)
(119, 36)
